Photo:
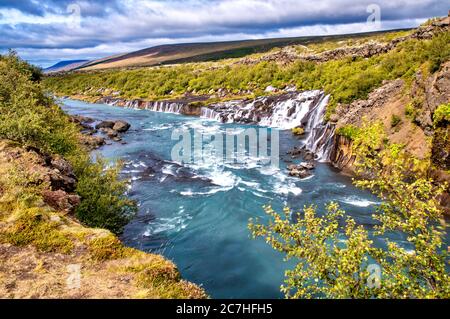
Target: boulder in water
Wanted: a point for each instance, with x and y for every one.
(299, 172)
(307, 165)
(121, 126)
(105, 124)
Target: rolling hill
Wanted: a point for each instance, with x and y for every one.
(200, 52)
(65, 66)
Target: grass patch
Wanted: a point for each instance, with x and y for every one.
(34, 227)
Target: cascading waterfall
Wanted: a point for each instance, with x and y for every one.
(320, 133)
(156, 106)
(290, 113)
(284, 111)
(163, 106)
(208, 113)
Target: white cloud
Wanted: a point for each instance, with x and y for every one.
(136, 24)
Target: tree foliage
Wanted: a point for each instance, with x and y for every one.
(333, 254)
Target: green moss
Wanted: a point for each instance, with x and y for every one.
(161, 278)
(34, 227)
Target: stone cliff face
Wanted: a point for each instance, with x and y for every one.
(341, 155)
(413, 127)
(391, 100)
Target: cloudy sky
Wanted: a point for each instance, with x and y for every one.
(46, 31)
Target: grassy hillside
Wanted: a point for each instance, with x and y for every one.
(213, 51)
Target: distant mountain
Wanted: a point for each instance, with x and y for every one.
(199, 52)
(65, 66)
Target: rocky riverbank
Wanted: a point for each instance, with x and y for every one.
(44, 246)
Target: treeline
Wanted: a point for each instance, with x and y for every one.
(346, 79)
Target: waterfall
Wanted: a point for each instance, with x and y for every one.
(284, 111)
(320, 133)
(156, 106)
(208, 113)
(290, 113)
(164, 106)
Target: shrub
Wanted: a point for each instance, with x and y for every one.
(298, 131)
(103, 200)
(411, 111)
(439, 50)
(348, 131)
(442, 114)
(395, 120)
(27, 115)
(30, 118)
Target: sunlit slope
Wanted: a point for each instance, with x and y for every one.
(197, 52)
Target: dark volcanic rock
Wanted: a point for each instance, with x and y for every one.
(60, 200)
(80, 119)
(302, 170)
(121, 126)
(92, 142)
(109, 132)
(105, 124)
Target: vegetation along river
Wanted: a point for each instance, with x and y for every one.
(197, 215)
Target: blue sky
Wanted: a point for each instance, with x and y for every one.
(47, 31)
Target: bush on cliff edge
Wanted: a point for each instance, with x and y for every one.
(31, 118)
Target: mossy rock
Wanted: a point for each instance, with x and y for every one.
(299, 131)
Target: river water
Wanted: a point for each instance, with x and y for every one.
(197, 215)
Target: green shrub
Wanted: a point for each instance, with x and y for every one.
(334, 255)
(348, 131)
(411, 111)
(298, 131)
(439, 51)
(103, 200)
(442, 114)
(395, 120)
(28, 116)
